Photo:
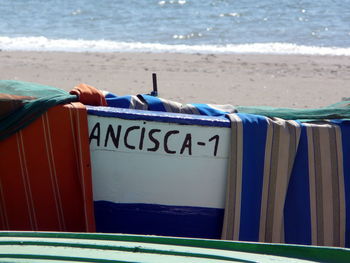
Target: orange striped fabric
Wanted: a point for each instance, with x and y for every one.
(45, 174)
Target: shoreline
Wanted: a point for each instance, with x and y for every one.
(295, 81)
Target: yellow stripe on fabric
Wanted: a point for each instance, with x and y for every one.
(281, 147)
(234, 181)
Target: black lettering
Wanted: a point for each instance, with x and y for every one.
(154, 140)
(187, 144)
(216, 138)
(95, 134)
(142, 138)
(115, 138)
(128, 130)
(166, 138)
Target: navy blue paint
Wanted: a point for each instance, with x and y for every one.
(131, 114)
(151, 219)
(297, 217)
(254, 138)
(345, 131)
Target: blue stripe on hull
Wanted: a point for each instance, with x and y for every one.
(151, 219)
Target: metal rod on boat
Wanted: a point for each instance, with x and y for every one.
(155, 88)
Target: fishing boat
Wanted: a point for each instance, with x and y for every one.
(145, 165)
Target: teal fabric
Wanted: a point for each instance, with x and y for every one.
(45, 98)
(339, 110)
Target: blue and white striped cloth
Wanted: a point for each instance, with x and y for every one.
(288, 181)
(148, 102)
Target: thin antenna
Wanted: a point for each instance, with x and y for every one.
(155, 88)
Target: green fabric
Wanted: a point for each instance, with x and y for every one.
(340, 110)
(45, 98)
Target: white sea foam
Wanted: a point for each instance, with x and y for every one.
(79, 45)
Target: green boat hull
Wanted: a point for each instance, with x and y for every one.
(86, 247)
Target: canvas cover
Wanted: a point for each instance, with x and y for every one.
(339, 110)
(45, 174)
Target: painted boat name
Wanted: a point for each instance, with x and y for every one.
(155, 139)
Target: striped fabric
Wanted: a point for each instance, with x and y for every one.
(45, 179)
(281, 147)
(288, 181)
(147, 102)
(339, 110)
(324, 185)
(326, 179)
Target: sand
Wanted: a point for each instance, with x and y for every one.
(249, 80)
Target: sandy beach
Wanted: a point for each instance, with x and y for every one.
(249, 80)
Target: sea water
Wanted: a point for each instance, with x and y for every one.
(189, 26)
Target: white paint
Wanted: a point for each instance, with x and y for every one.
(124, 175)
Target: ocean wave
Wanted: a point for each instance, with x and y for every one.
(80, 45)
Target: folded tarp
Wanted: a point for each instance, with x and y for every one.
(146, 102)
